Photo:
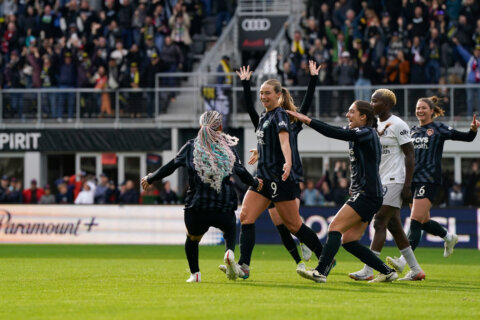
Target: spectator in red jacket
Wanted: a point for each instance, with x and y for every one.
(34, 194)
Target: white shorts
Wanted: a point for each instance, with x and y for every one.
(392, 195)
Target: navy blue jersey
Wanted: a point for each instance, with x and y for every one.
(365, 156)
(270, 155)
(200, 195)
(295, 127)
(428, 142)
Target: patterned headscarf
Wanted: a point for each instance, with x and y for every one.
(212, 157)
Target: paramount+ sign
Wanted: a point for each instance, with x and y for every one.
(257, 33)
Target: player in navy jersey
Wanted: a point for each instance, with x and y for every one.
(274, 166)
(295, 128)
(428, 139)
(396, 171)
(366, 191)
(211, 199)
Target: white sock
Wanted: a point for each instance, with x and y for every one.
(408, 255)
(402, 259)
(367, 268)
(448, 237)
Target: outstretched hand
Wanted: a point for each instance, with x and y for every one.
(300, 116)
(145, 183)
(312, 65)
(475, 123)
(245, 73)
(254, 157)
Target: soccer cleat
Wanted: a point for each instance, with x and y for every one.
(313, 275)
(449, 244)
(397, 263)
(413, 276)
(362, 275)
(330, 267)
(243, 271)
(392, 276)
(306, 252)
(301, 266)
(230, 265)
(195, 277)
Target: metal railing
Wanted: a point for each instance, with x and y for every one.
(178, 103)
(265, 7)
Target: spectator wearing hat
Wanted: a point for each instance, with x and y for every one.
(101, 189)
(149, 46)
(155, 66)
(224, 67)
(85, 73)
(48, 197)
(33, 194)
(472, 74)
(67, 79)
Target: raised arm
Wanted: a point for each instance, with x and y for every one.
(467, 136)
(307, 100)
(324, 128)
(244, 75)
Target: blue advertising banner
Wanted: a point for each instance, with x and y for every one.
(464, 222)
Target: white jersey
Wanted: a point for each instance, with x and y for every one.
(392, 166)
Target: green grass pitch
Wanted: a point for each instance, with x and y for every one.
(148, 282)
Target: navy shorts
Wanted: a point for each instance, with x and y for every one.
(198, 223)
(424, 190)
(365, 206)
(278, 191)
(298, 192)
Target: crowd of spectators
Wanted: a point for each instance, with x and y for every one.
(362, 43)
(108, 44)
(84, 189)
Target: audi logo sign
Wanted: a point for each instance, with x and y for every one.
(255, 24)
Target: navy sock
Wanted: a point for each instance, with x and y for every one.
(310, 239)
(229, 236)
(288, 242)
(334, 240)
(367, 256)
(433, 227)
(415, 233)
(247, 242)
(191, 250)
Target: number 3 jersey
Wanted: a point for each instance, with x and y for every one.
(428, 142)
(392, 166)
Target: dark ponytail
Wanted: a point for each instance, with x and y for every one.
(365, 108)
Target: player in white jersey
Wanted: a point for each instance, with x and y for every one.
(396, 171)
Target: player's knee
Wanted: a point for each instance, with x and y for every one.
(293, 226)
(245, 217)
(379, 225)
(194, 238)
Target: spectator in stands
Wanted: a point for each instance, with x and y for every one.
(286, 72)
(432, 54)
(148, 81)
(173, 58)
(167, 195)
(160, 22)
(16, 192)
(417, 63)
(311, 196)
(103, 99)
(47, 25)
(85, 73)
(4, 185)
(298, 47)
(364, 80)
(344, 73)
(341, 193)
(338, 41)
(455, 195)
(224, 11)
(179, 23)
(15, 79)
(87, 195)
(134, 105)
(124, 17)
(225, 68)
(33, 194)
(130, 194)
(63, 196)
(112, 193)
(398, 70)
(101, 189)
(48, 81)
(327, 194)
(48, 197)
(472, 74)
(472, 186)
(66, 80)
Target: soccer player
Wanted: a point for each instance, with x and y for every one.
(396, 171)
(295, 128)
(274, 166)
(428, 139)
(366, 198)
(211, 199)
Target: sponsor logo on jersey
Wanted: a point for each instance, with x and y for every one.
(260, 136)
(430, 132)
(420, 142)
(403, 132)
(282, 124)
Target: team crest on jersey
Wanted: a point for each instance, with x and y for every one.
(266, 123)
(430, 132)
